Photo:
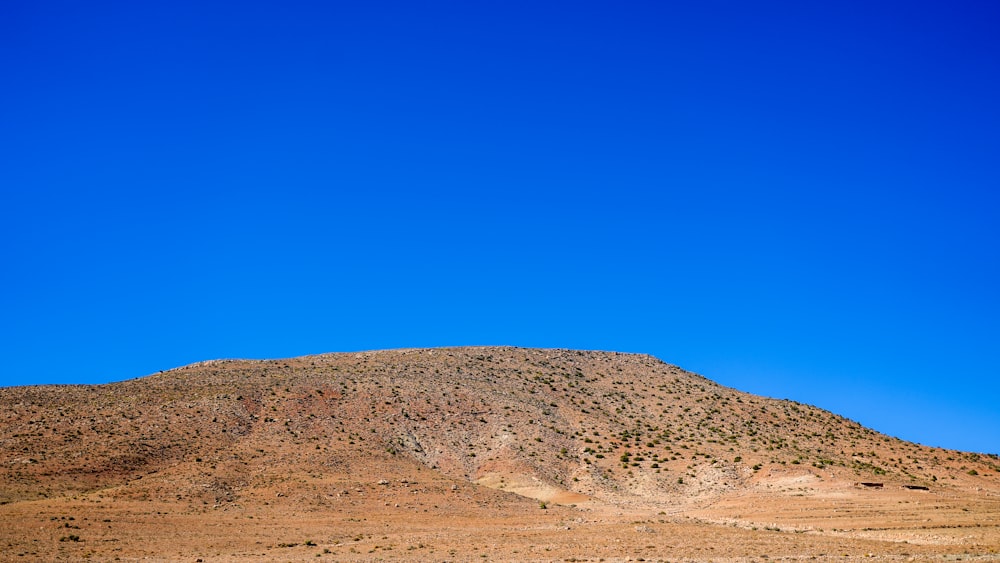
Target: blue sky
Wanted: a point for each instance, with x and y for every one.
(798, 200)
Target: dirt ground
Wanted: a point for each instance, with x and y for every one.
(426, 517)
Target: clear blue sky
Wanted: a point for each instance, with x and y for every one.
(796, 199)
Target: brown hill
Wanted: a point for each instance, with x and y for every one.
(404, 454)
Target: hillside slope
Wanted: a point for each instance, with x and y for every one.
(596, 430)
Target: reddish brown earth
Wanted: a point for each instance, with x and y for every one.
(466, 454)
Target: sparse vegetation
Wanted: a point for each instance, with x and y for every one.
(243, 442)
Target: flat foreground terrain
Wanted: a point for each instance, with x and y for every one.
(390, 525)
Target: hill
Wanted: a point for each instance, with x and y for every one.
(405, 454)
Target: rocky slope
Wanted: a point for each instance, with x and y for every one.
(568, 427)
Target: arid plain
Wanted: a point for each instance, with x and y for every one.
(470, 454)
